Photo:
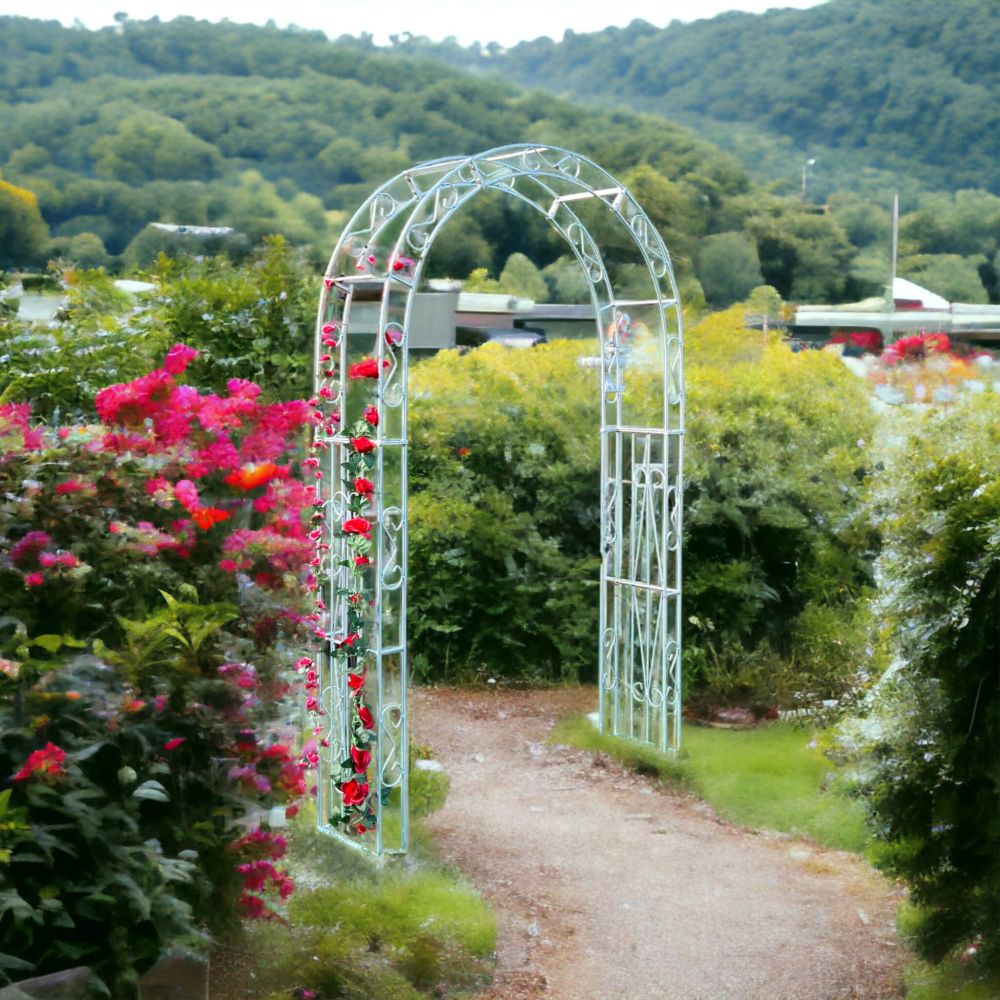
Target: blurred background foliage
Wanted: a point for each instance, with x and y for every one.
(270, 131)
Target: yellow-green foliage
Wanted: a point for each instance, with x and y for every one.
(505, 512)
(23, 232)
(776, 456)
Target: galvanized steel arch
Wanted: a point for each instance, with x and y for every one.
(379, 259)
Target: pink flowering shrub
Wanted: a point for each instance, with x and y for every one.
(169, 543)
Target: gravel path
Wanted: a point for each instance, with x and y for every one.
(607, 888)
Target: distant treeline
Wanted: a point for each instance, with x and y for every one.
(903, 86)
(283, 131)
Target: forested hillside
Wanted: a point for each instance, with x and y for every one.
(284, 131)
(908, 86)
(268, 130)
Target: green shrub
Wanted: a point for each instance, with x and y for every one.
(776, 552)
(505, 515)
(927, 752)
(252, 320)
(60, 367)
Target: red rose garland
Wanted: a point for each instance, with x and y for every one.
(351, 777)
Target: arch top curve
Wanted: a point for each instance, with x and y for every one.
(428, 193)
(364, 327)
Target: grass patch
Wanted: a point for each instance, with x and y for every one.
(766, 778)
(399, 908)
(405, 930)
(396, 932)
(951, 978)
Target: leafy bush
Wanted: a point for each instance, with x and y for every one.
(776, 551)
(505, 515)
(927, 750)
(252, 320)
(59, 367)
(141, 647)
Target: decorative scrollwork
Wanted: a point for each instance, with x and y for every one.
(390, 726)
(392, 568)
(609, 642)
(587, 251)
(611, 489)
(383, 207)
(393, 387)
(569, 164)
(673, 539)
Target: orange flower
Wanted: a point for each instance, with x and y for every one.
(205, 517)
(255, 475)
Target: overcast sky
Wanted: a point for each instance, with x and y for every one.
(504, 21)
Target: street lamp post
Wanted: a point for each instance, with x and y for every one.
(805, 168)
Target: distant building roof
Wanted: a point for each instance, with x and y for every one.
(488, 302)
(912, 309)
(909, 295)
(134, 287)
(169, 227)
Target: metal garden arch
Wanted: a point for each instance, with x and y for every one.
(358, 681)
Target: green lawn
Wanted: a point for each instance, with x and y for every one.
(768, 778)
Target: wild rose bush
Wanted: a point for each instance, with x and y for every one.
(151, 595)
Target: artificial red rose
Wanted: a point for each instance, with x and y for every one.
(366, 369)
(364, 486)
(366, 717)
(362, 444)
(355, 682)
(371, 415)
(357, 526)
(393, 337)
(361, 759)
(354, 792)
